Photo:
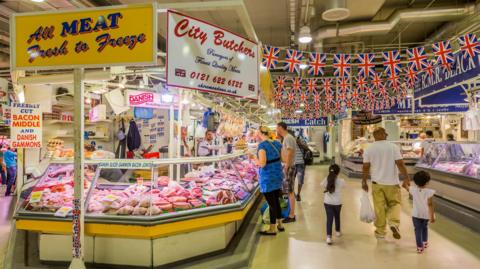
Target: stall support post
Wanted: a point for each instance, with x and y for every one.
(171, 137)
(78, 204)
(179, 133)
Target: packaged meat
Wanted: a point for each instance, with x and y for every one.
(182, 205)
(125, 210)
(175, 199)
(196, 203)
(165, 207)
(163, 181)
(145, 202)
(153, 210)
(139, 211)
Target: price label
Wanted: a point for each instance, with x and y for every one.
(63, 211)
(36, 196)
(110, 198)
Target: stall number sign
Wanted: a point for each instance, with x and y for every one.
(204, 57)
(121, 35)
(26, 127)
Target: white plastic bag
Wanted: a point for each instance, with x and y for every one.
(366, 210)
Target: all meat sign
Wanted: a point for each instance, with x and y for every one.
(26, 129)
(123, 35)
(205, 57)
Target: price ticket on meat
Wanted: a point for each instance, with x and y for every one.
(26, 129)
(204, 57)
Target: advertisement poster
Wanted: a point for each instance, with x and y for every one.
(306, 122)
(122, 35)
(26, 128)
(143, 99)
(204, 57)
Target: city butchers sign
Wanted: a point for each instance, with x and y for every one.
(117, 35)
(204, 57)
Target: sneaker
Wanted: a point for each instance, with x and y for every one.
(425, 244)
(338, 234)
(396, 232)
(419, 250)
(329, 240)
(288, 220)
(380, 237)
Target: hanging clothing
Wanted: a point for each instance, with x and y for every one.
(134, 139)
(122, 142)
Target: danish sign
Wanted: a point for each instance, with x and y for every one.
(117, 35)
(201, 56)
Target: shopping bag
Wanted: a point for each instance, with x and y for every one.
(366, 210)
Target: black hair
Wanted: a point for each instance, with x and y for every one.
(333, 172)
(429, 133)
(283, 125)
(450, 137)
(421, 178)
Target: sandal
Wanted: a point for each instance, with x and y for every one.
(281, 229)
(267, 233)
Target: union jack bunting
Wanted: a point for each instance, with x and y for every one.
(411, 76)
(417, 59)
(270, 57)
(280, 83)
(343, 84)
(355, 94)
(293, 60)
(291, 97)
(382, 91)
(278, 94)
(394, 82)
(341, 65)
(366, 65)
(469, 45)
(296, 83)
(329, 97)
(361, 83)
(316, 64)
(327, 85)
(429, 69)
(443, 53)
(311, 85)
(342, 96)
(369, 93)
(316, 98)
(392, 64)
(303, 97)
(377, 81)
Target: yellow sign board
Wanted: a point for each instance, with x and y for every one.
(117, 35)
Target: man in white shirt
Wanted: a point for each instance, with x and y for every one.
(381, 161)
(206, 147)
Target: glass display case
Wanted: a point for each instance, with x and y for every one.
(133, 191)
(459, 158)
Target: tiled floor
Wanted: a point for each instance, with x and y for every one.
(303, 245)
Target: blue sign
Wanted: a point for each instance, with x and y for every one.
(306, 122)
(462, 70)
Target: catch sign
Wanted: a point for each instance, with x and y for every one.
(306, 122)
(118, 35)
(26, 129)
(204, 57)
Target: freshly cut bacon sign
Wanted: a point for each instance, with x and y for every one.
(201, 56)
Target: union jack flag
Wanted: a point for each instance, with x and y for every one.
(469, 45)
(342, 96)
(443, 53)
(329, 97)
(327, 85)
(343, 84)
(293, 60)
(377, 81)
(341, 65)
(394, 82)
(316, 98)
(278, 95)
(348, 103)
(361, 83)
(366, 65)
(369, 93)
(392, 63)
(311, 85)
(316, 63)
(355, 94)
(429, 69)
(270, 57)
(303, 97)
(411, 77)
(291, 97)
(417, 59)
(280, 83)
(307, 107)
(338, 105)
(392, 101)
(296, 83)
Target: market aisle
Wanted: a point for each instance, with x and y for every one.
(6, 211)
(303, 245)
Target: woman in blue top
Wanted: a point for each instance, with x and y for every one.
(270, 177)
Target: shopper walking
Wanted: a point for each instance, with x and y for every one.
(333, 200)
(3, 168)
(382, 160)
(288, 157)
(10, 157)
(422, 208)
(269, 159)
(300, 166)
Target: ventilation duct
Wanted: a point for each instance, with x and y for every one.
(336, 10)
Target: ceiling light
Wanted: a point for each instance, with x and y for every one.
(335, 10)
(302, 105)
(304, 35)
(37, 1)
(299, 111)
(263, 106)
(185, 102)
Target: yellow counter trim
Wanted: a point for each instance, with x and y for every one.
(136, 231)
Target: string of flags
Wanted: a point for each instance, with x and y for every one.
(367, 89)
